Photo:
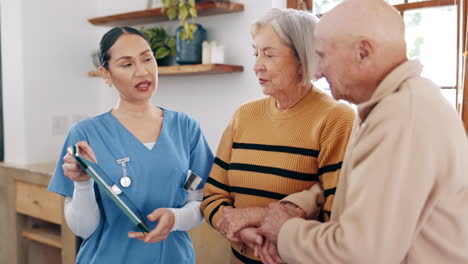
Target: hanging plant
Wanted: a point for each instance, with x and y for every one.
(183, 10)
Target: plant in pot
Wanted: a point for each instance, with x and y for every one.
(183, 10)
(162, 44)
(190, 36)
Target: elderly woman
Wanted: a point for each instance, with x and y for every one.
(283, 146)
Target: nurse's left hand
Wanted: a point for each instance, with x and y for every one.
(166, 220)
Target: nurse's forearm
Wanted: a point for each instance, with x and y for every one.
(187, 217)
(81, 210)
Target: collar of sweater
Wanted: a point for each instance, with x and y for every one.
(389, 85)
(304, 104)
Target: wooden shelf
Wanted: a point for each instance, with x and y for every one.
(205, 8)
(199, 69)
(48, 236)
(191, 69)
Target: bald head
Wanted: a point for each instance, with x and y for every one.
(372, 19)
(368, 36)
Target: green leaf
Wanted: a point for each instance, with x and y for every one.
(193, 27)
(172, 13)
(183, 35)
(171, 42)
(173, 52)
(193, 12)
(186, 27)
(158, 39)
(157, 43)
(181, 3)
(161, 53)
(183, 13)
(188, 35)
(192, 2)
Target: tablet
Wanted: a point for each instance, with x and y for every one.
(103, 181)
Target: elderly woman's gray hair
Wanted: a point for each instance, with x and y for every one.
(296, 29)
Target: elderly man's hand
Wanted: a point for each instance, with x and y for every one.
(235, 219)
(268, 253)
(275, 217)
(250, 237)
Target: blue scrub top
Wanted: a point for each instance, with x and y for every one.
(157, 175)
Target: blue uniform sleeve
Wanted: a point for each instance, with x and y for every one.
(60, 183)
(201, 156)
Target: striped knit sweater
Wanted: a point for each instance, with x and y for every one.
(266, 154)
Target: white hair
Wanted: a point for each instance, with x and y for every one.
(296, 29)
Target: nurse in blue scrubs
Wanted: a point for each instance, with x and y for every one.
(147, 151)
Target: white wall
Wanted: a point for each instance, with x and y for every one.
(45, 55)
(212, 99)
(13, 83)
(46, 48)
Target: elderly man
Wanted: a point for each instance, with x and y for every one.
(403, 193)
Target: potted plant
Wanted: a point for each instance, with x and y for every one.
(183, 10)
(162, 44)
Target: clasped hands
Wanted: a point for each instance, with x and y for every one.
(258, 227)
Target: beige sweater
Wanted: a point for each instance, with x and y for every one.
(403, 193)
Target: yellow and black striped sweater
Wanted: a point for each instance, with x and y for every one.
(265, 154)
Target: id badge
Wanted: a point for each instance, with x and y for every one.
(192, 182)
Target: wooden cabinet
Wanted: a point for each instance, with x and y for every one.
(36, 201)
(33, 227)
(33, 230)
(204, 8)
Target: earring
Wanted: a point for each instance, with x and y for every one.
(109, 83)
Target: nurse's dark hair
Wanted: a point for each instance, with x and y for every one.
(108, 40)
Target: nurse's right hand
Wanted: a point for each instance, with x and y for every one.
(70, 167)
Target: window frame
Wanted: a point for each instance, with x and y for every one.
(417, 5)
(295, 3)
(429, 3)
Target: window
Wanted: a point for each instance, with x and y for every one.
(322, 6)
(431, 36)
(395, 2)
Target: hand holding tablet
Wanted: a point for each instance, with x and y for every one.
(104, 182)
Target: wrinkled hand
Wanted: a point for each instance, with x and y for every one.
(268, 253)
(275, 217)
(70, 167)
(250, 237)
(235, 219)
(166, 220)
(300, 212)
